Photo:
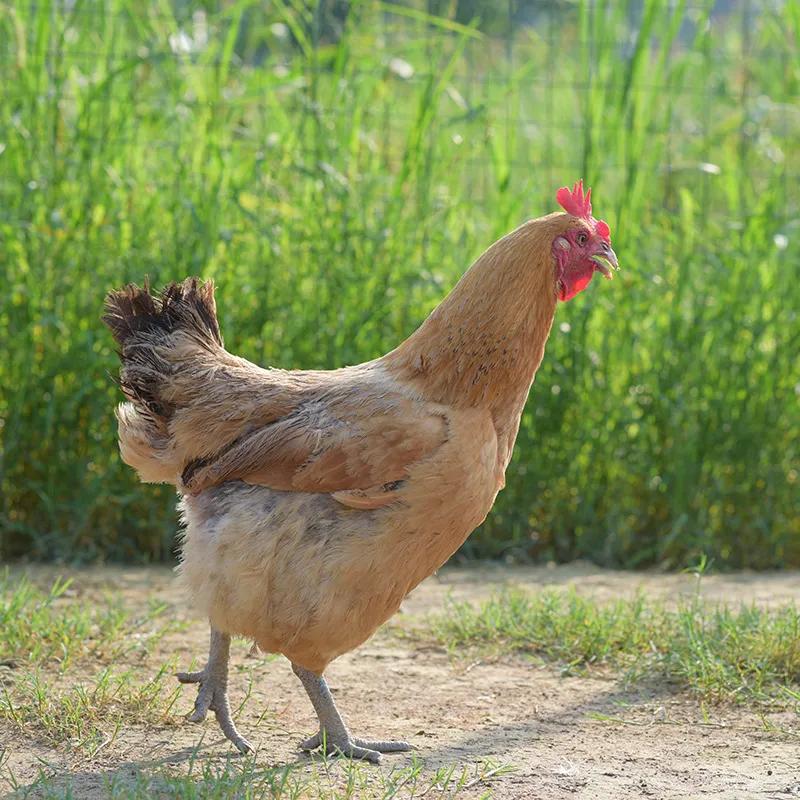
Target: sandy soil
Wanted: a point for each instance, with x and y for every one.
(567, 737)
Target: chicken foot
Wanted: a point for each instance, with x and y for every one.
(332, 730)
(212, 693)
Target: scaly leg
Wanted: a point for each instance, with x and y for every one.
(213, 691)
(332, 729)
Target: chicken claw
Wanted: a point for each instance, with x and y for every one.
(213, 691)
(354, 747)
(333, 732)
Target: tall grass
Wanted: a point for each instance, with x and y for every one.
(336, 189)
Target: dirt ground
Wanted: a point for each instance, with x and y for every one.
(566, 736)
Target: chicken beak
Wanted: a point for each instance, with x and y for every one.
(606, 260)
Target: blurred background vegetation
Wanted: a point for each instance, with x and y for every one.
(336, 166)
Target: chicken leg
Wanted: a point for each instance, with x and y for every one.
(213, 690)
(332, 730)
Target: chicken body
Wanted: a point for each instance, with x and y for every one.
(305, 575)
(313, 502)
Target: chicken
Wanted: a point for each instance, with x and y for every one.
(313, 502)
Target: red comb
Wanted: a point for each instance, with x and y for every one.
(574, 202)
(578, 204)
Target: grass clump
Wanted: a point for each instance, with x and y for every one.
(40, 626)
(720, 653)
(47, 635)
(88, 716)
(340, 779)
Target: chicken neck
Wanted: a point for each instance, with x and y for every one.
(482, 345)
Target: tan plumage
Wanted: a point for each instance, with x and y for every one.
(314, 502)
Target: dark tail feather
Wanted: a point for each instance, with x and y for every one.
(142, 323)
(188, 305)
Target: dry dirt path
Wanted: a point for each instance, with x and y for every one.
(567, 737)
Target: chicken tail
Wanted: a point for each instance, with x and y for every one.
(190, 304)
(158, 336)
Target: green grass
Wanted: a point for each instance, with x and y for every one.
(245, 778)
(51, 627)
(718, 652)
(88, 715)
(335, 201)
(48, 639)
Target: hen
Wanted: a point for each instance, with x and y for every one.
(313, 502)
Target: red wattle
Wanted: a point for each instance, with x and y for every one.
(572, 286)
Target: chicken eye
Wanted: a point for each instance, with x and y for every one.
(582, 238)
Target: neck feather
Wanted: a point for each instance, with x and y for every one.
(482, 345)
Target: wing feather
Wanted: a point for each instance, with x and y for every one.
(354, 448)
